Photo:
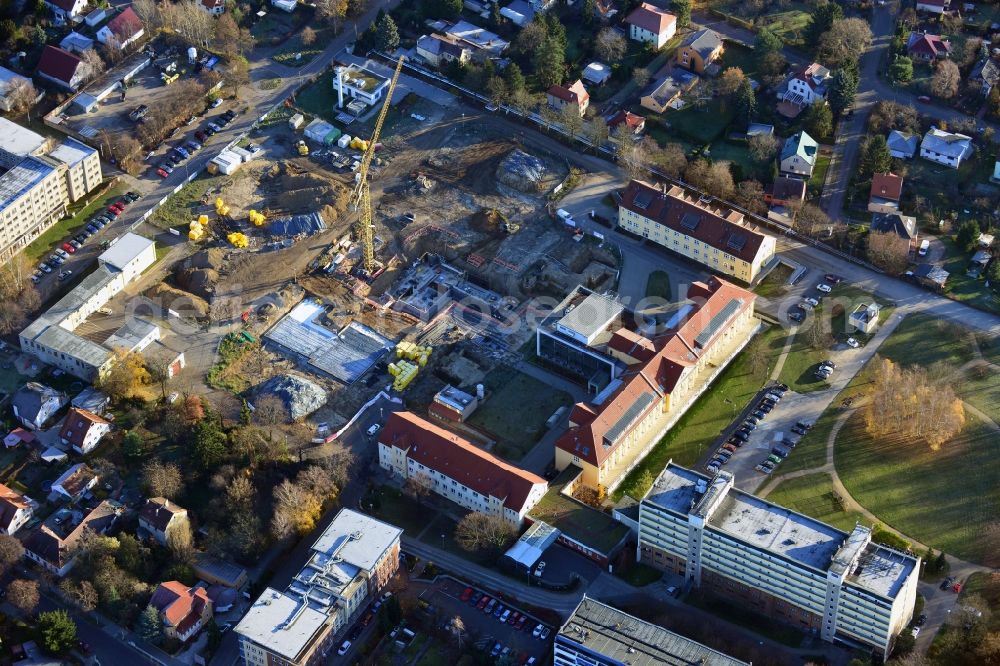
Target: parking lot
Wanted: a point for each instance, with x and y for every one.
(486, 630)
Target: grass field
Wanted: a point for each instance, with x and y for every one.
(988, 587)
(319, 99)
(180, 208)
(586, 525)
(707, 418)
(702, 124)
(818, 178)
(961, 287)
(393, 506)
(57, 234)
(814, 496)
(658, 285)
(294, 47)
(924, 340)
(776, 282)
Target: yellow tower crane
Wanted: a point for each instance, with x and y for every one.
(362, 198)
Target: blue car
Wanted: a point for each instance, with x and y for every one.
(182, 151)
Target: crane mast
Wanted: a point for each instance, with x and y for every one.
(362, 193)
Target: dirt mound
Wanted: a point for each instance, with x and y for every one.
(212, 258)
(300, 396)
(182, 302)
(199, 281)
(523, 172)
(292, 190)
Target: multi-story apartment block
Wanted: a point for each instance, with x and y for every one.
(83, 167)
(350, 562)
(643, 374)
(600, 635)
(838, 585)
(696, 228)
(413, 448)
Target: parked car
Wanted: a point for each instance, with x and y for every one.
(505, 616)
(65, 275)
(765, 407)
(829, 364)
(193, 146)
(825, 288)
(545, 633)
(166, 166)
(521, 622)
(45, 268)
(213, 128)
(853, 344)
(795, 315)
(75, 243)
(798, 431)
(62, 253)
(805, 425)
(833, 279)
(253, 148)
(466, 594)
(773, 458)
(496, 649)
(161, 173)
(36, 277)
(182, 151)
(753, 419)
(201, 136)
(512, 620)
(811, 301)
(91, 229)
(132, 197)
(481, 604)
(764, 469)
(538, 630)
(68, 248)
(344, 647)
(498, 611)
(759, 415)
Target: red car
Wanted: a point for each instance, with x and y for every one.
(521, 622)
(161, 173)
(69, 248)
(120, 204)
(512, 620)
(482, 602)
(466, 594)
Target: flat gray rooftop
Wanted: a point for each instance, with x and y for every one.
(591, 315)
(357, 538)
(344, 355)
(71, 151)
(21, 178)
(882, 570)
(777, 529)
(629, 640)
(675, 489)
(282, 623)
(71, 302)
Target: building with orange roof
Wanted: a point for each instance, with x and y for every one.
(451, 466)
(15, 510)
(83, 430)
(649, 23)
(183, 610)
(697, 228)
(644, 372)
(574, 95)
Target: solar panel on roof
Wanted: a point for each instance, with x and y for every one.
(642, 200)
(628, 417)
(690, 221)
(716, 322)
(736, 241)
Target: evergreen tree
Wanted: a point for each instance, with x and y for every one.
(746, 101)
(843, 89)
(209, 443)
(823, 16)
(941, 563)
(496, 19)
(148, 625)
(386, 35)
(682, 9)
(133, 445)
(514, 78)
(819, 121)
(766, 42)
(966, 238)
(875, 157)
(56, 631)
(589, 12)
(901, 69)
(550, 58)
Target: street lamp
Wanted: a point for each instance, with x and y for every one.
(442, 540)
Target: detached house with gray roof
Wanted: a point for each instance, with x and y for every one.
(798, 155)
(699, 50)
(34, 404)
(902, 145)
(947, 148)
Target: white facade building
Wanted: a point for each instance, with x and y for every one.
(776, 561)
(947, 148)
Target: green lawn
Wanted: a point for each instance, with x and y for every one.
(737, 55)
(818, 178)
(579, 521)
(57, 234)
(658, 285)
(186, 205)
(294, 47)
(506, 392)
(943, 498)
(988, 587)
(738, 155)
(319, 99)
(961, 287)
(791, 26)
(708, 417)
(776, 282)
(702, 124)
(814, 496)
(924, 340)
(640, 575)
(392, 506)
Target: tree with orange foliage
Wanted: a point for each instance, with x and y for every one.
(906, 403)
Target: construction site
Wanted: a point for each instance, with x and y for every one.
(462, 234)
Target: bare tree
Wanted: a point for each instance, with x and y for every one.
(641, 77)
(570, 119)
(418, 487)
(812, 221)
(597, 131)
(162, 479)
(21, 94)
(846, 40)
(295, 510)
(237, 74)
(308, 36)
(193, 22)
(227, 35)
(23, 594)
(946, 80)
(458, 629)
(478, 532)
(762, 147)
(712, 177)
(269, 410)
(730, 81)
(888, 251)
(332, 11)
(127, 151)
(84, 594)
(610, 45)
(180, 540)
(149, 12)
(94, 63)
(671, 159)
(11, 551)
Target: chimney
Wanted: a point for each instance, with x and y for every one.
(339, 73)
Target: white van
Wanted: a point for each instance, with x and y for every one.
(924, 246)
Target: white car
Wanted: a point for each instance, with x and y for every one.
(825, 288)
(852, 343)
(344, 647)
(540, 569)
(916, 631)
(537, 632)
(373, 429)
(811, 301)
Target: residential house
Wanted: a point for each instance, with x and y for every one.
(53, 544)
(666, 92)
(903, 226)
(657, 374)
(924, 47)
(15, 510)
(18, 436)
(886, 190)
(931, 276)
(699, 50)
(798, 155)
(439, 49)
(359, 82)
(519, 12)
(485, 45)
(987, 74)
(978, 263)
(34, 404)
(62, 68)
(902, 145)
(699, 229)
(785, 190)
(67, 10)
(74, 483)
(83, 430)
(636, 124)
(285, 5)
(213, 7)
(803, 87)
(864, 319)
(159, 516)
(7, 79)
(76, 43)
(452, 404)
(933, 6)
(449, 465)
(597, 73)
(574, 95)
(122, 30)
(649, 23)
(947, 148)
(183, 610)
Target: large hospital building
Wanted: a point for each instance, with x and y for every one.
(841, 586)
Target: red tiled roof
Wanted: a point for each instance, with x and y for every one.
(213, 4)
(77, 479)
(717, 227)
(126, 25)
(57, 551)
(180, 606)
(886, 186)
(443, 451)
(77, 424)
(633, 121)
(651, 18)
(158, 511)
(808, 73)
(58, 64)
(574, 93)
(931, 45)
(653, 377)
(10, 503)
